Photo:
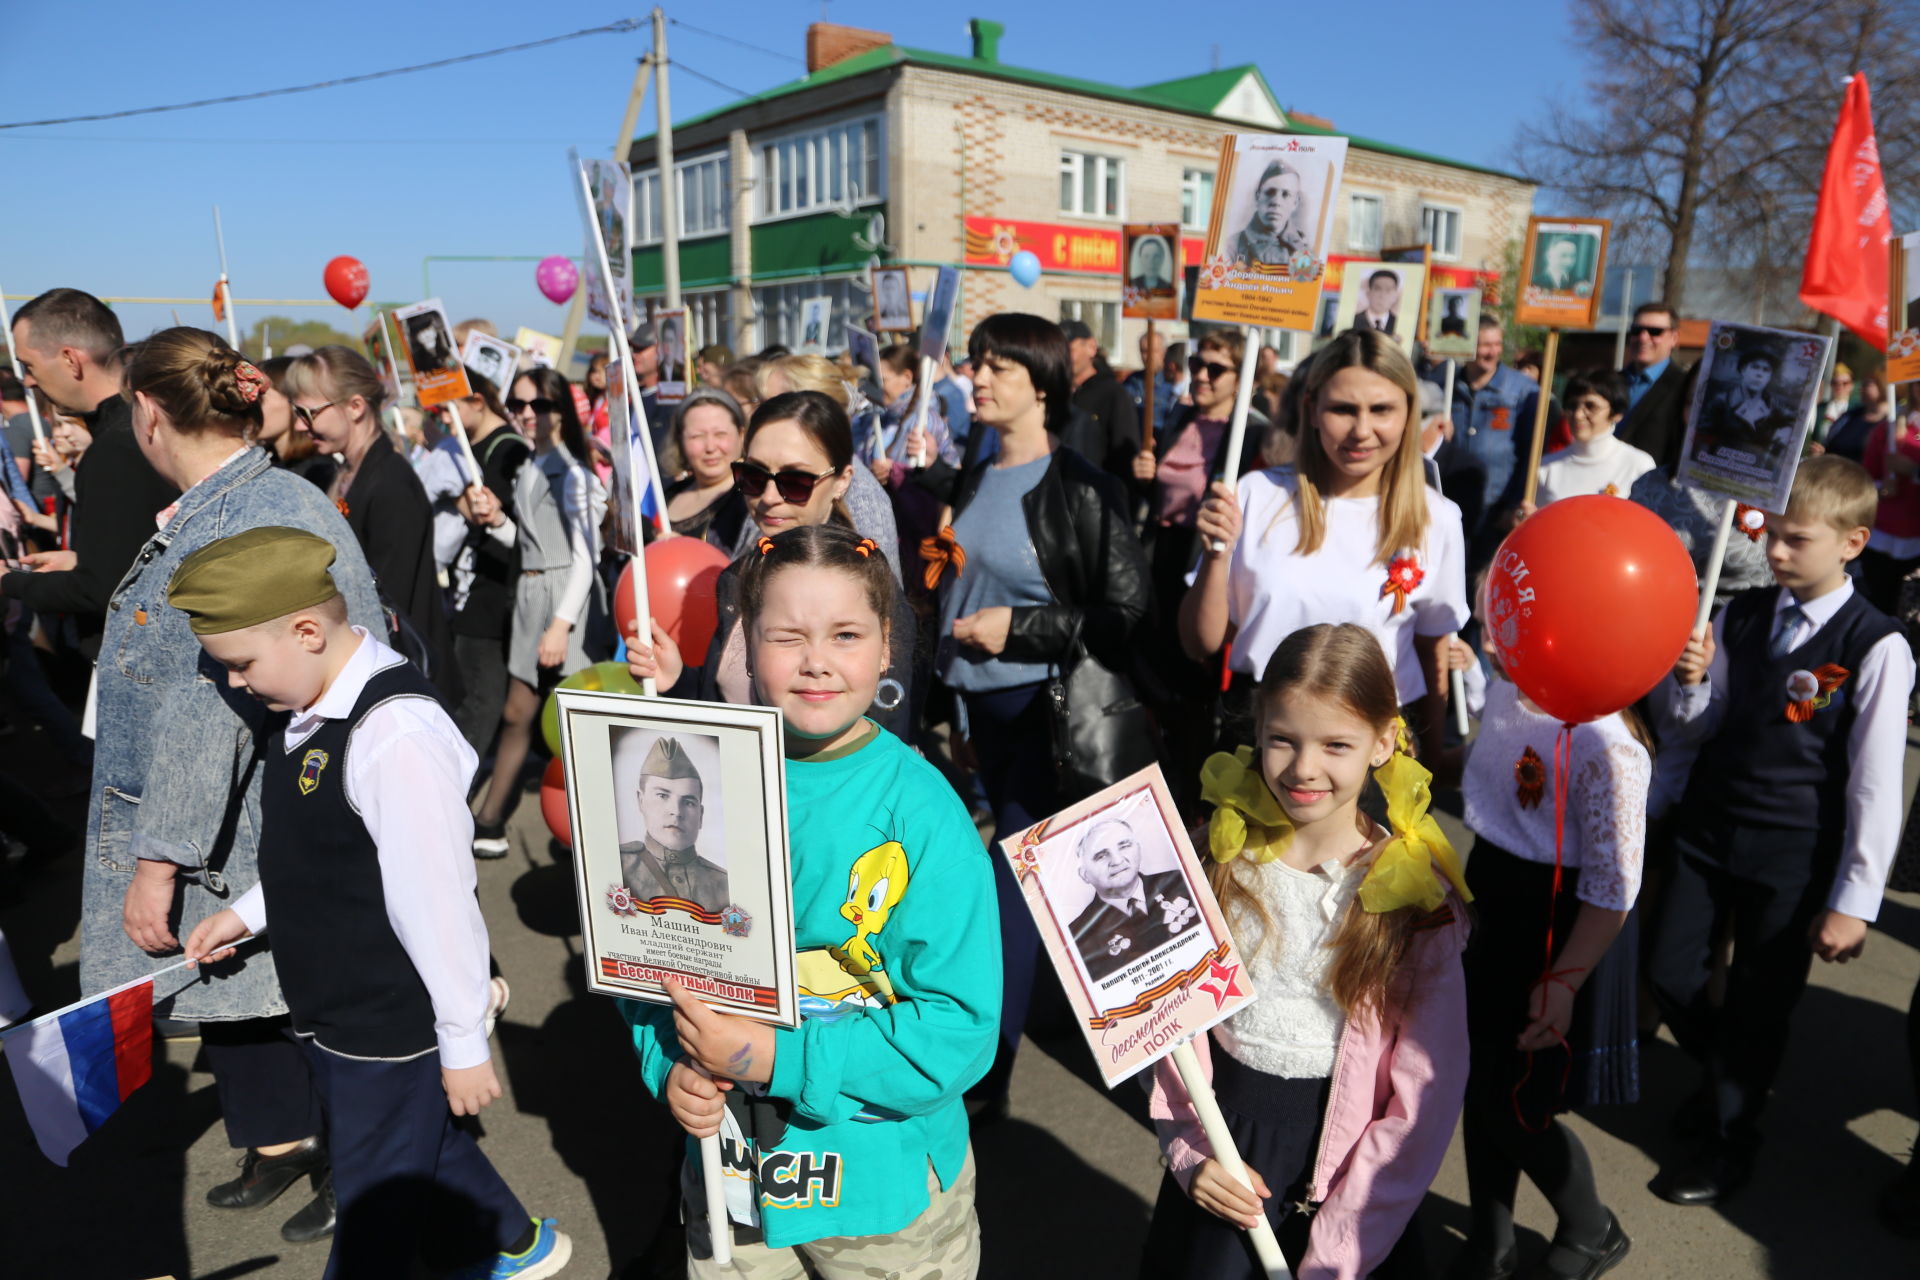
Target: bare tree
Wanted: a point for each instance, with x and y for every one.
(1704, 128)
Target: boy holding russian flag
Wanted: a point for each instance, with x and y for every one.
(366, 895)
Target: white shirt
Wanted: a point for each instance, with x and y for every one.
(1273, 591)
(408, 770)
(441, 473)
(1876, 745)
(1602, 464)
(1606, 831)
(1293, 1029)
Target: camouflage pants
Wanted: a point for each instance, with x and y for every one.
(941, 1244)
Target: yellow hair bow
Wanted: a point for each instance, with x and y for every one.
(1402, 872)
(1246, 816)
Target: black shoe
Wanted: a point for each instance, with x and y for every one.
(1593, 1260)
(263, 1178)
(1478, 1262)
(315, 1222)
(490, 840)
(1707, 1178)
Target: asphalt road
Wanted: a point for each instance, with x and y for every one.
(1066, 1184)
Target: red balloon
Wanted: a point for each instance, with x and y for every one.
(681, 577)
(1589, 603)
(553, 802)
(346, 280)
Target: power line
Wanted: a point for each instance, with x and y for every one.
(700, 75)
(715, 35)
(623, 25)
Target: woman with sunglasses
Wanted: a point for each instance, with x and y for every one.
(796, 467)
(1187, 454)
(336, 397)
(559, 606)
(292, 450)
(703, 442)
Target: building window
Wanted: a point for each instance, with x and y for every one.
(1091, 185)
(705, 194)
(709, 317)
(1101, 317)
(1364, 215)
(1440, 226)
(820, 169)
(777, 307)
(1196, 198)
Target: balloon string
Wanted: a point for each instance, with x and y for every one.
(1562, 764)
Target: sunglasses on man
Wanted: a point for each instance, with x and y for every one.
(1212, 368)
(1649, 330)
(795, 487)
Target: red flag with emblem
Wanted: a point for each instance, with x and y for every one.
(1846, 270)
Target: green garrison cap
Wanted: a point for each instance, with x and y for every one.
(667, 760)
(251, 578)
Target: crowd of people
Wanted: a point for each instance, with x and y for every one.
(255, 568)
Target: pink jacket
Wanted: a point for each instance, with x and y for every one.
(1397, 1088)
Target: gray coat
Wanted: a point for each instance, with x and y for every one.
(175, 774)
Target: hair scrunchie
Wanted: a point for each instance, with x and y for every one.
(765, 545)
(250, 381)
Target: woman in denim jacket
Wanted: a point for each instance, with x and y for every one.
(172, 834)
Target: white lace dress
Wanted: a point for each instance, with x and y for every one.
(1293, 1029)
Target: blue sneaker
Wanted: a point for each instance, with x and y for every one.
(546, 1256)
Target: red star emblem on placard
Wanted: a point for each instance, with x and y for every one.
(1221, 981)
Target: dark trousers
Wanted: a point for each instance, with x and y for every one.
(1011, 737)
(483, 671)
(266, 1091)
(403, 1172)
(1772, 883)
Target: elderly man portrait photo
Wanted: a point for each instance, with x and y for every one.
(666, 863)
(1131, 914)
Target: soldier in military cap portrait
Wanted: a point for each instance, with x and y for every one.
(667, 863)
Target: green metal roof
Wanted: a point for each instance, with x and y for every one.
(1192, 95)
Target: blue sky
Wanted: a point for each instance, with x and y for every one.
(469, 160)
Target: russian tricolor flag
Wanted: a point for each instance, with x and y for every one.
(75, 1066)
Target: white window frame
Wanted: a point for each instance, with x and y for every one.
(1108, 171)
(1355, 244)
(776, 309)
(809, 171)
(1444, 253)
(691, 175)
(1191, 183)
(1098, 315)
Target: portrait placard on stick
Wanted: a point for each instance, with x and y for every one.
(1754, 399)
(427, 341)
(1130, 923)
(680, 850)
(863, 350)
(495, 359)
(936, 318)
(1150, 290)
(676, 369)
(1561, 273)
(1453, 322)
(1382, 295)
(542, 348)
(1903, 311)
(892, 301)
(814, 315)
(611, 186)
(1269, 232)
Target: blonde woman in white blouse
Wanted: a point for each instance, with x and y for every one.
(1351, 532)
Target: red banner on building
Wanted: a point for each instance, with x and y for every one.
(1096, 250)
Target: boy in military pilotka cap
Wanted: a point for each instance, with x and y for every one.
(366, 897)
(666, 863)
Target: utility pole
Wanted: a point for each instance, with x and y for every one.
(577, 311)
(669, 180)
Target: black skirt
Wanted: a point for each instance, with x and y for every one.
(1601, 1060)
(1275, 1122)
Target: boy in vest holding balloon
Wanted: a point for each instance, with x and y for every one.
(366, 897)
(1798, 698)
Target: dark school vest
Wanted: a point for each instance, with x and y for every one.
(1764, 768)
(349, 983)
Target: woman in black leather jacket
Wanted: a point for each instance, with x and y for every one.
(1046, 563)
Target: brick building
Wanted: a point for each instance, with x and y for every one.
(896, 155)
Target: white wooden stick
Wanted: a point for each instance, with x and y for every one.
(713, 1178)
(1457, 690)
(1710, 580)
(13, 353)
(459, 425)
(1265, 1244)
(226, 293)
(919, 420)
(1242, 401)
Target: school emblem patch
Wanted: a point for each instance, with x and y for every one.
(311, 766)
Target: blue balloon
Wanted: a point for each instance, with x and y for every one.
(1025, 267)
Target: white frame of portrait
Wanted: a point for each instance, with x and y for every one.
(1764, 487)
(478, 342)
(751, 975)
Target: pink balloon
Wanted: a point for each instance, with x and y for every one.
(557, 278)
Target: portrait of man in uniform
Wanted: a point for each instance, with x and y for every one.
(666, 862)
(1131, 913)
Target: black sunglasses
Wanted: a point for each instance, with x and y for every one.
(795, 486)
(1650, 330)
(1212, 368)
(307, 415)
(540, 405)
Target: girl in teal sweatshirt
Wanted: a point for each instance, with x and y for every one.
(846, 1139)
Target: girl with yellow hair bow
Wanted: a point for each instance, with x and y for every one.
(1342, 1082)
